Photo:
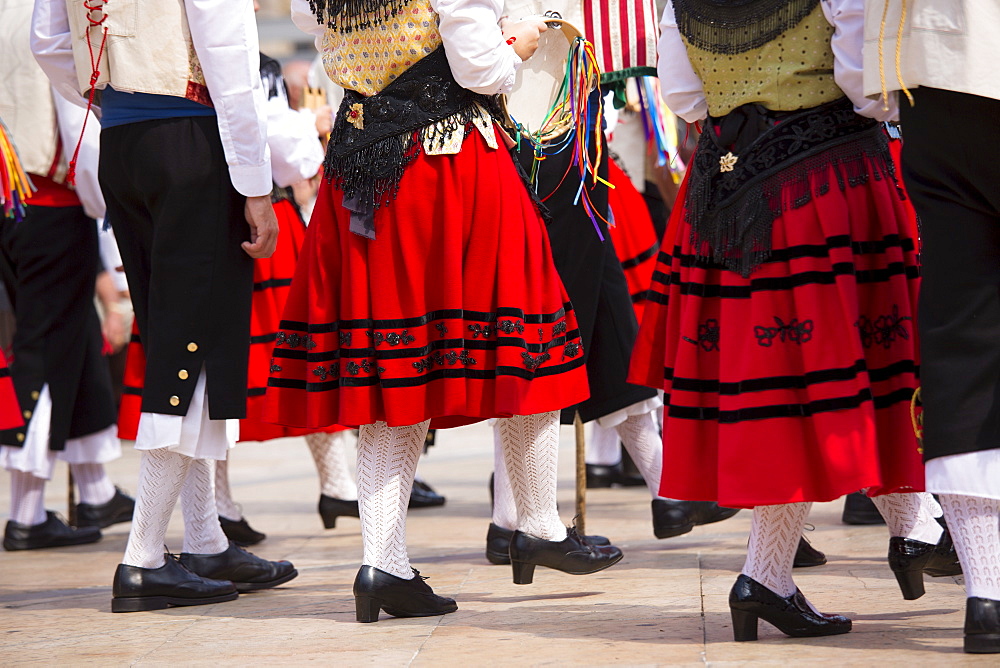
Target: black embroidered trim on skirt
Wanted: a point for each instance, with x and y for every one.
(375, 138)
(349, 15)
(769, 167)
(737, 26)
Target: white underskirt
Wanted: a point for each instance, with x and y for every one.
(194, 434)
(967, 474)
(612, 420)
(34, 456)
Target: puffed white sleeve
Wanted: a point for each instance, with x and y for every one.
(480, 58)
(305, 20)
(680, 86)
(296, 152)
(69, 118)
(848, 20)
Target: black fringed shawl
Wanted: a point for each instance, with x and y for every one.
(350, 15)
(778, 161)
(736, 26)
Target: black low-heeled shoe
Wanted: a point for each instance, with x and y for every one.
(137, 589)
(675, 518)
(498, 544)
(330, 509)
(246, 571)
(573, 555)
(749, 601)
(240, 532)
(982, 626)
(376, 590)
(910, 559)
(807, 556)
(118, 509)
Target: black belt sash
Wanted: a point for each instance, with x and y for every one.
(751, 165)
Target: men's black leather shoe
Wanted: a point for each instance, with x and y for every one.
(53, 532)
(860, 510)
(118, 509)
(247, 571)
(982, 626)
(240, 531)
(674, 518)
(601, 476)
(376, 590)
(423, 496)
(498, 544)
(573, 555)
(137, 589)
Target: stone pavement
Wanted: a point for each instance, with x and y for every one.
(664, 604)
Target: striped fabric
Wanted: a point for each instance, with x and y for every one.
(624, 34)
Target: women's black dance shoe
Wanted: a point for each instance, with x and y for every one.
(982, 626)
(909, 559)
(330, 509)
(376, 590)
(749, 601)
(573, 555)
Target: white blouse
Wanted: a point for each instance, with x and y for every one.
(479, 57)
(682, 89)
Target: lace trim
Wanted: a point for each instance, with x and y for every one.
(736, 26)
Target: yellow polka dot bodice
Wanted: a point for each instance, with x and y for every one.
(793, 71)
(369, 59)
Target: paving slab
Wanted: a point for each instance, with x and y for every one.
(664, 604)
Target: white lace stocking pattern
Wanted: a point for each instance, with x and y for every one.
(202, 532)
(974, 522)
(910, 516)
(774, 537)
(387, 462)
(27, 498)
(224, 503)
(504, 506)
(530, 445)
(645, 446)
(161, 473)
(329, 451)
(93, 483)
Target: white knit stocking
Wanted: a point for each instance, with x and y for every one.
(329, 451)
(387, 462)
(504, 506)
(774, 537)
(93, 483)
(974, 523)
(530, 445)
(224, 503)
(161, 473)
(604, 446)
(645, 446)
(910, 516)
(202, 532)
(27, 498)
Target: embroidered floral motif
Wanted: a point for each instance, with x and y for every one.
(450, 358)
(708, 336)
(321, 371)
(535, 361)
(345, 338)
(794, 332)
(356, 116)
(484, 331)
(541, 335)
(559, 328)
(466, 359)
(727, 162)
(281, 339)
(274, 367)
(354, 368)
(294, 340)
(335, 369)
(392, 338)
(510, 326)
(423, 365)
(884, 330)
(441, 328)
(571, 349)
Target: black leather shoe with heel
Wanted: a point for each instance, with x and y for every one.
(240, 532)
(247, 571)
(750, 601)
(330, 509)
(807, 556)
(674, 518)
(573, 555)
(376, 590)
(982, 626)
(498, 544)
(910, 559)
(137, 589)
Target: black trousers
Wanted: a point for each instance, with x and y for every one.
(179, 224)
(951, 141)
(50, 262)
(596, 284)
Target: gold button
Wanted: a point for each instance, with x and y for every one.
(182, 374)
(192, 347)
(27, 415)
(20, 438)
(34, 395)
(175, 400)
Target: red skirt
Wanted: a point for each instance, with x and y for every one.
(272, 278)
(793, 384)
(633, 235)
(454, 313)
(10, 411)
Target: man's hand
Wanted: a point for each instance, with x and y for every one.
(525, 34)
(263, 227)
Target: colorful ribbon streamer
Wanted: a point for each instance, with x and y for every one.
(15, 185)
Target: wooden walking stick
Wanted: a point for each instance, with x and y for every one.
(581, 475)
(71, 499)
